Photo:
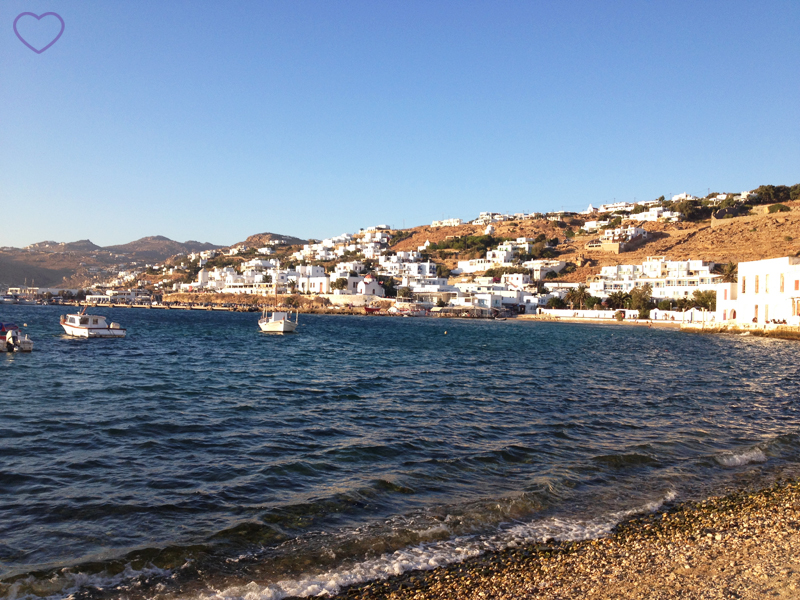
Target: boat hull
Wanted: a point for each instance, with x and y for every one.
(93, 332)
(282, 326)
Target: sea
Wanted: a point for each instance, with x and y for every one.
(200, 458)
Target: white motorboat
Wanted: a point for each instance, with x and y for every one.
(12, 341)
(277, 322)
(90, 326)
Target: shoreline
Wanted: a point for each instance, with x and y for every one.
(742, 545)
(592, 320)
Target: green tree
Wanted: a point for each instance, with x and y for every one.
(388, 287)
(556, 302)
(593, 302)
(618, 300)
(779, 208)
(730, 272)
(578, 296)
(339, 284)
(665, 305)
(442, 271)
(705, 299)
(404, 292)
(641, 300)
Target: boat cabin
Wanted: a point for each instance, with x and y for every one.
(86, 320)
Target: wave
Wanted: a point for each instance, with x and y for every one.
(754, 455)
(67, 583)
(436, 554)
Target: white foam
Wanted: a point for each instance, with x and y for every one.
(65, 583)
(435, 554)
(755, 455)
(424, 556)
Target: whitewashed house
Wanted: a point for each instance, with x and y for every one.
(767, 290)
(369, 287)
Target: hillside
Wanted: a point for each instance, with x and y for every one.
(159, 248)
(746, 238)
(261, 239)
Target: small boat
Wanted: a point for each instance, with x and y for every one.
(277, 322)
(372, 309)
(11, 340)
(90, 326)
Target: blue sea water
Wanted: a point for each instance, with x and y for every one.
(201, 458)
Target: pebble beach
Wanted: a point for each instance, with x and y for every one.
(745, 545)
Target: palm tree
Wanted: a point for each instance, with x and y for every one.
(581, 295)
(618, 300)
(730, 272)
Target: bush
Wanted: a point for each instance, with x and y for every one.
(556, 302)
(619, 315)
(665, 305)
(775, 208)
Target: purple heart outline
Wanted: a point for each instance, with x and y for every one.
(38, 18)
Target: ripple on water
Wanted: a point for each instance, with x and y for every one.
(179, 460)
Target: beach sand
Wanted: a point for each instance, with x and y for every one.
(745, 545)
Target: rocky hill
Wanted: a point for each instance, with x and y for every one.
(745, 238)
(261, 239)
(159, 248)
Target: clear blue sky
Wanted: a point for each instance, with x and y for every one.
(216, 120)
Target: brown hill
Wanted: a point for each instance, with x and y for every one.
(746, 238)
(158, 248)
(261, 239)
(43, 272)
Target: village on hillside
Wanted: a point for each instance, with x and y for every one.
(722, 258)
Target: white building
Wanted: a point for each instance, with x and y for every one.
(540, 268)
(369, 287)
(616, 207)
(768, 290)
(683, 196)
(447, 223)
(668, 279)
(656, 213)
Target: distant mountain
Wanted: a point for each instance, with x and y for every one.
(14, 272)
(51, 246)
(159, 248)
(81, 246)
(261, 239)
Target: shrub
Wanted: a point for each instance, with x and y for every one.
(779, 208)
(619, 315)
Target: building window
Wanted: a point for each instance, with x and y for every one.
(726, 294)
(781, 286)
(743, 284)
(766, 284)
(755, 317)
(755, 287)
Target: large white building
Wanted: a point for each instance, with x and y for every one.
(670, 279)
(767, 291)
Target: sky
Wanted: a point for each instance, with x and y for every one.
(213, 121)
